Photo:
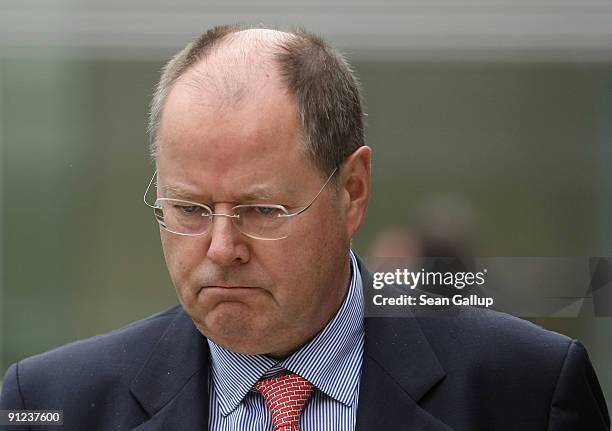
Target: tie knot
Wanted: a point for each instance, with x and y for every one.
(285, 397)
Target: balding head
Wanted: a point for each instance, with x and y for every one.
(227, 65)
(240, 69)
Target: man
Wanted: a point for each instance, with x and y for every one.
(262, 180)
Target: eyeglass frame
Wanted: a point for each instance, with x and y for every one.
(233, 215)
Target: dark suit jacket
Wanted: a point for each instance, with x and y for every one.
(491, 372)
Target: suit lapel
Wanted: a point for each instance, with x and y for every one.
(172, 386)
(399, 368)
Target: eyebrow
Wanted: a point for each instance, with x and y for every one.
(258, 192)
(177, 192)
(255, 193)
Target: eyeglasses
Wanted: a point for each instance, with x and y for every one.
(258, 221)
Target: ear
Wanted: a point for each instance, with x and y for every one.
(355, 177)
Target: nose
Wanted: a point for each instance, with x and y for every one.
(227, 245)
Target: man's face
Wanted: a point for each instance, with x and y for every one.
(248, 295)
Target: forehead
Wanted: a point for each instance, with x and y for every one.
(247, 123)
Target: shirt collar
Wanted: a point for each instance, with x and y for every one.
(322, 361)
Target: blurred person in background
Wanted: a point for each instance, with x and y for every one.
(447, 227)
(263, 178)
(394, 247)
(441, 235)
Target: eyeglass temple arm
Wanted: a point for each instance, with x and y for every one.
(313, 199)
(144, 197)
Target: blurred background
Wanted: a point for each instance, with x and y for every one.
(490, 121)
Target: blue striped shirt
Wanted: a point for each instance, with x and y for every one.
(331, 362)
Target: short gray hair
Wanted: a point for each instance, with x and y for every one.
(327, 91)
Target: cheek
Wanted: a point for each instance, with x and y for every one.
(182, 255)
(306, 260)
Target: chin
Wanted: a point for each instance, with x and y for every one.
(241, 344)
(230, 327)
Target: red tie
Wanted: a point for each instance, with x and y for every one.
(286, 397)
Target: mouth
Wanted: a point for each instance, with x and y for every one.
(227, 291)
(223, 293)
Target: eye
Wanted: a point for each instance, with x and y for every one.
(267, 211)
(190, 209)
